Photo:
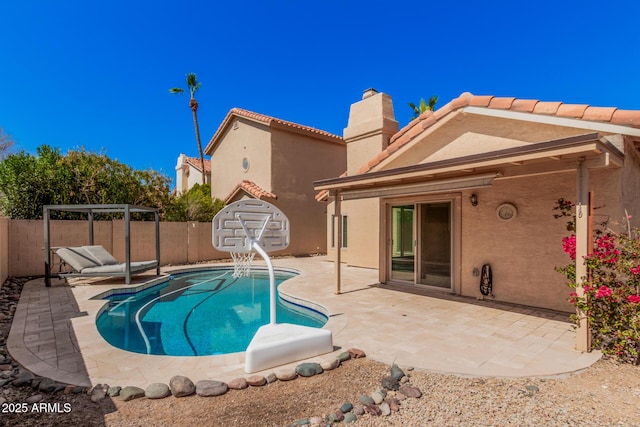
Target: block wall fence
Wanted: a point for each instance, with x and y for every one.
(22, 242)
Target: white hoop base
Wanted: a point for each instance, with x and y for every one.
(242, 263)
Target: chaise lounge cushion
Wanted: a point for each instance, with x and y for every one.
(120, 268)
(96, 259)
(77, 257)
(100, 255)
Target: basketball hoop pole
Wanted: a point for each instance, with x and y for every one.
(272, 282)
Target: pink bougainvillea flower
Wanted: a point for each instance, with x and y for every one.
(633, 299)
(569, 246)
(635, 270)
(604, 292)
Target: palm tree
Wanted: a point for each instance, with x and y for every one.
(193, 85)
(423, 106)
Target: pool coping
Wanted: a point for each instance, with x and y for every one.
(54, 335)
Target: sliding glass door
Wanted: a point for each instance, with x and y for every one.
(402, 243)
(421, 249)
(435, 244)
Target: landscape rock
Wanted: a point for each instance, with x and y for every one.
(356, 353)
(23, 379)
(256, 380)
(309, 369)
(335, 417)
(130, 392)
(238, 384)
(271, 378)
(373, 409)
(350, 417)
(34, 399)
(207, 388)
(330, 364)
(385, 410)
(157, 391)
(35, 383)
(114, 391)
(396, 372)
(48, 385)
(98, 392)
(394, 404)
(181, 386)
(346, 407)
(358, 410)
(343, 357)
(410, 391)
(316, 421)
(377, 397)
(366, 400)
(286, 374)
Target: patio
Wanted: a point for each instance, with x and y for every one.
(54, 333)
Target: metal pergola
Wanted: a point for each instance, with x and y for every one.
(90, 210)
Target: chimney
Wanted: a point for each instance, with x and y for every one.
(371, 125)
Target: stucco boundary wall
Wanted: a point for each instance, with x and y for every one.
(4, 249)
(180, 242)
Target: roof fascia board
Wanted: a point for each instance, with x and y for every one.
(572, 145)
(553, 120)
(451, 184)
(275, 124)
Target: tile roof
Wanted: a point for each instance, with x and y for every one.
(252, 189)
(195, 162)
(427, 119)
(324, 194)
(271, 121)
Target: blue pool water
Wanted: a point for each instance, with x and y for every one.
(197, 314)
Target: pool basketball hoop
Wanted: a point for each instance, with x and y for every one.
(244, 228)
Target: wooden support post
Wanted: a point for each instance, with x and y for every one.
(583, 334)
(338, 241)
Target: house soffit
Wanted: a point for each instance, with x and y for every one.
(530, 159)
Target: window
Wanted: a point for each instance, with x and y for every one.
(344, 231)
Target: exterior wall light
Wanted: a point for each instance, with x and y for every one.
(474, 200)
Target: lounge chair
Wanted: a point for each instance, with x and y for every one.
(96, 261)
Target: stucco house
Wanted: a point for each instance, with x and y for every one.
(189, 172)
(475, 183)
(262, 157)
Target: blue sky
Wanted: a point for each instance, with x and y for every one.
(96, 74)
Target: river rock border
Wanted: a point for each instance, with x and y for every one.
(381, 402)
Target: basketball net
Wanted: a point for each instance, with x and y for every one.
(242, 263)
(242, 260)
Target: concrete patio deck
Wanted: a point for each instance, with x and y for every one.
(54, 333)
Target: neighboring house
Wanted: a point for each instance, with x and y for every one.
(189, 172)
(475, 183)
(261, 157)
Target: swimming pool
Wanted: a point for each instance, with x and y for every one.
(198, 313)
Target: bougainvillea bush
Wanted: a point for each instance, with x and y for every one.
(611, 297)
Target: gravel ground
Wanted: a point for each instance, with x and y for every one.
(606, 394)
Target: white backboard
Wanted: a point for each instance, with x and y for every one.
(240, 223)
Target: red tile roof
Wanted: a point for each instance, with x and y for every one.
(324, 194)
(610, 115)
(195, 162)
(271, 121)
(252, 189)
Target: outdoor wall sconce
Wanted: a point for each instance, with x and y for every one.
(474, 200)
